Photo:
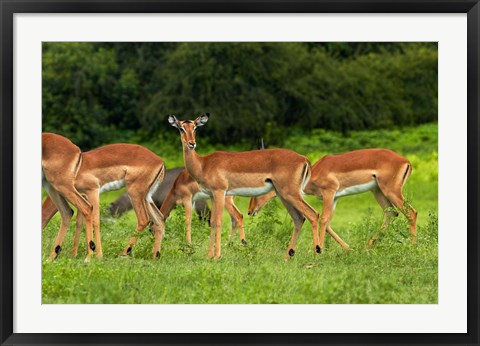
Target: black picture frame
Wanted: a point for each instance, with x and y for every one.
(9, 8)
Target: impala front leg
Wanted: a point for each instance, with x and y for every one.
(237, 219)
(219, 201)
(212, 231)
(187, 204)
(332, 233)
(131, 243)
(233, 230)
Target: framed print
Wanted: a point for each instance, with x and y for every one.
(274, 111)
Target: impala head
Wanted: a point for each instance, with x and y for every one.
(257, 203)
(187, 129)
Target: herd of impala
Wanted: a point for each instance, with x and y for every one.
(69, 175)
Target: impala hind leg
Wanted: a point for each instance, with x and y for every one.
(48, 211)
(408, 211)
(79, 222)
(89, 236)
(337, 238)
(88, 221)
(388, 214)
(327, 213)
(295, 199)
(70, 193)
(157, 243)
(94, 198)
(237, 219)
(298, 220)
(158, 227)
(395, 196)
(66, 214)
(133, 239)
(139, 208)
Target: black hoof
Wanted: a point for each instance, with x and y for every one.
(129, 250)
(157, 255)
(291, 252)
(318, 249)
(92, 245)
(244, 242)
(58, 249)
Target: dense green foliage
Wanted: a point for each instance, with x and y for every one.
(97, 93)
(314, 98)
(393, 271)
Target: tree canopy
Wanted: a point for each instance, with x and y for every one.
(98, 93)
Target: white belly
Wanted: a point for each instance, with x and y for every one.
(113, 185)
(251, 191)
(356, 189)
(200, 196)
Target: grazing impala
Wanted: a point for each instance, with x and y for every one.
(61, 160)
(122, 204)
(381, 171)
(109, 168)
(186, 191)
(248, 174)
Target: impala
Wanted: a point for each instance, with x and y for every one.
(381, 171)
(123, 203)
(248, 174)
(61, 161)
(186, 191)
(110, 168)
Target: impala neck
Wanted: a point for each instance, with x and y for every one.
(193, 162)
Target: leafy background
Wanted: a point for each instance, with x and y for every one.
(314, 98)
(98, 93)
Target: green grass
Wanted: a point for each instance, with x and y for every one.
(393, 271)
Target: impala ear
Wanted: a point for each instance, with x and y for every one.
(173, 121)
(201, 120)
